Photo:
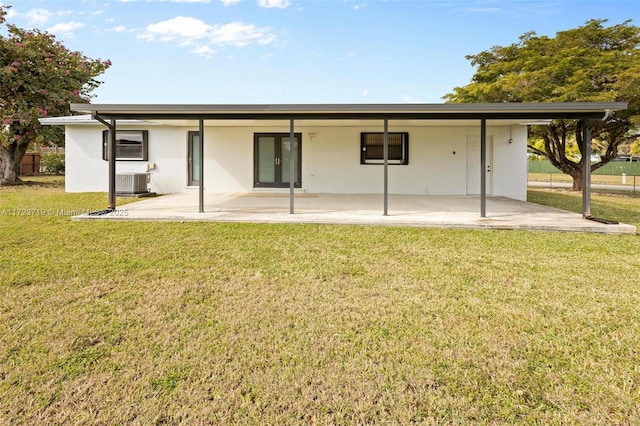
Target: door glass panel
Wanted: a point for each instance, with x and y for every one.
(284, 149)
(266, 159)
(195, 158)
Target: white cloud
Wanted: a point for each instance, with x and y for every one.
(365, 93)
(347, 55)
(280, 4)
(38, 16)
(118, 29)
(205, 51)
(188, 31)
(181, 28)
(240, 34)
(65, 28)
(169, 1)
(229, 2)
(483, 10)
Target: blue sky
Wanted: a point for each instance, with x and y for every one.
(296, 51)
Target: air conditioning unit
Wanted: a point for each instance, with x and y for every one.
(131, 183)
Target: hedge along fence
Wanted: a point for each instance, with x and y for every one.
(616, 168)
(52, 163)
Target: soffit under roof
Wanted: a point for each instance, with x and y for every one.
(512, 111)
(359, 123)
(87, 120)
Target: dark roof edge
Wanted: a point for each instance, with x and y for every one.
(266, 109)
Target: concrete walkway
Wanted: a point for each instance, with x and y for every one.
(360, 209)
(600, 186)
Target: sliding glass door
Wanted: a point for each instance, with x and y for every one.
(193, 158)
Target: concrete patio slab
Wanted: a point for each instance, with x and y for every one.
(360, 209)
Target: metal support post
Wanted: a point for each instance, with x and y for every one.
(111, 154)
(385, 156)
(292, 168)
(111, 157)
(483, 168)
(586, 169)
(201, 166)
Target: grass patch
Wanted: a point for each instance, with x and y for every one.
(623, 207)
(212, 323)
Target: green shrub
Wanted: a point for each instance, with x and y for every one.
(52, 163)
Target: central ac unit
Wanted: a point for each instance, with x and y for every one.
(131, 183)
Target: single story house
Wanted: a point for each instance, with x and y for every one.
(421, 149)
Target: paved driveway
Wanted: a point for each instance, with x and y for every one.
(360, 209)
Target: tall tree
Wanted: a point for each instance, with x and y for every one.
(591, 63)
(38, 77)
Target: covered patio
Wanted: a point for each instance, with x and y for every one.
(359, 209)
(294, 205)
(452, 114)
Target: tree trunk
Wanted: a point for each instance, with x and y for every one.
(577, 181)
(10, 161)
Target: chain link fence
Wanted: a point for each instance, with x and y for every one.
(617, 173)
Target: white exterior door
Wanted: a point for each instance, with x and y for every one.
(473, 165)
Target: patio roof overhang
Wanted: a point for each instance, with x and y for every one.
(109, 114)
(489, 111)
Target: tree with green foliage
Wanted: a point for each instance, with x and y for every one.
(39, 77)
(591, 63)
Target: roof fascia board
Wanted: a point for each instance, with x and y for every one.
(352, 116)
(573, 110)
(65, 121)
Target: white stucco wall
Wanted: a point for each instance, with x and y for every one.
(510, 162)
(330, 161)
(86, 171)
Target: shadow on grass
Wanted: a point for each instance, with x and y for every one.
(45, 181)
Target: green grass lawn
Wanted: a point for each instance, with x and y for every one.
(214, 323)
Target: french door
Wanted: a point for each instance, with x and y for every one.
(271, 158)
